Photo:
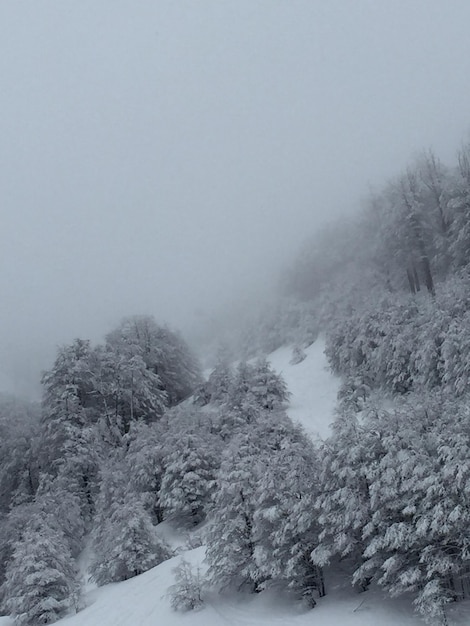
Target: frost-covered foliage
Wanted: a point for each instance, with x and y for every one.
(124, 540)
(215, 389)
(118, 450)
(59, 502)
(94, 460)
(126, 543)
(405, 343)
(230, 542)
(262, 529)
(70, 412)
(68, 402)
(189, 478)
(93, 397)
(145, 462)
(128, 390)
(166, 471)
(164, 352)
(192, 445)
(140, 370)
(284, 529)
(187, 593)
(394, 499)
(390, 287)
(411, 235)
(298, 355)
(268, 388)
(219, 381)
(343, 505)
(41, 577)
(19, 470)
(247, 388)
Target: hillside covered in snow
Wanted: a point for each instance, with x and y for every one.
(145, 600)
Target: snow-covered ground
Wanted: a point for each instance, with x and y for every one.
(142, 601)
(313, 388)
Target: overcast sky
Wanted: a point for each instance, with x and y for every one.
(160, 156)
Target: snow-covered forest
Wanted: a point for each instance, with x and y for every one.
(235, 313)
(130, 436)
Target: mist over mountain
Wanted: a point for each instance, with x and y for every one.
(169, 159)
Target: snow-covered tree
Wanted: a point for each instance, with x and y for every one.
(416, 539)
(41, 579)
(67, 400)
(230, 541)
(253, 389)
(285, 530)
(262, 526)
(189, 478)
(60, 502)
(126, 543)
(124, 540)
(393, 501)
(267, 386)
(70, 411)
(164, 352)
(145, 460)
(19, 440)
(186, 594)
(128, 390)
(456, 355)
(459, 210)
(220, 380)
(343, 505)
(298, 355)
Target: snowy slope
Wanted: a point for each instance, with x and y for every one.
(313, 388)
(142, 601)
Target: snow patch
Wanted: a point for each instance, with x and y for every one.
(313, 387)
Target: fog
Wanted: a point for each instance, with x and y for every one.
(168, 157)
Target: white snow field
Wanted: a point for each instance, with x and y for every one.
(313, 388)
(142, 601)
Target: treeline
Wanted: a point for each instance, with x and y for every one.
(410, 236)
